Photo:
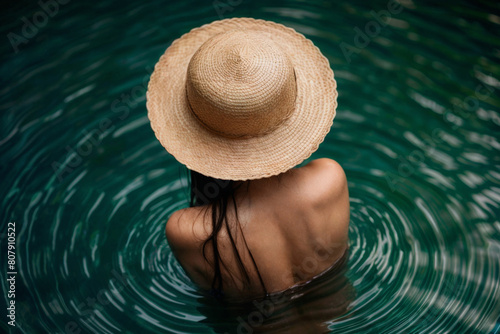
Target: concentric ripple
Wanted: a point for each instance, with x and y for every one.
(90, 188)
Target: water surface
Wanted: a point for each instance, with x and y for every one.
(90, 187)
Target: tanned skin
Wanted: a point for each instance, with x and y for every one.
(295, 224)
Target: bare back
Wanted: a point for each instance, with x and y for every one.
(294, 225)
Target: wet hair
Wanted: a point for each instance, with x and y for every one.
(217, 194)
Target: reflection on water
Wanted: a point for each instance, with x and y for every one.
(90, 188)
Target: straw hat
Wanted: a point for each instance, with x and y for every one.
(241, 99)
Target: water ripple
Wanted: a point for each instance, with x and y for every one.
(90, 188)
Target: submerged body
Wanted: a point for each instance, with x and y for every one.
(290, 227)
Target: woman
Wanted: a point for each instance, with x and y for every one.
(241, 102)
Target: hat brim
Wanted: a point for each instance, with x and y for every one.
(199, 149)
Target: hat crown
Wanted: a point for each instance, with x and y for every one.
(241, 84)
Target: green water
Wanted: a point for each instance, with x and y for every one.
(90, 188)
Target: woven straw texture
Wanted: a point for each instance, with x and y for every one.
(241, 99)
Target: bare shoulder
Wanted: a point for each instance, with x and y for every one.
(184, 235)
(318, 181)
(325, 185)
(326, 165)
(323, 178)
(174, 230)
(181, 229)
